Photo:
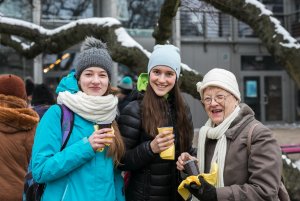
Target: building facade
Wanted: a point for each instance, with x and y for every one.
(207, 39)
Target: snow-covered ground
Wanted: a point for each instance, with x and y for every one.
(284, 126)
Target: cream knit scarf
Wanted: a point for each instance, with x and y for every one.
(218, 132)
(93, 108)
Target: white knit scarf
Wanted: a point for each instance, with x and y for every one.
(218, 132)
(93, 108)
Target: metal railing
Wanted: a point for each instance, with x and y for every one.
(214, 24)
(205, 23)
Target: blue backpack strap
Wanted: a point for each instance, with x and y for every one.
(67, 121)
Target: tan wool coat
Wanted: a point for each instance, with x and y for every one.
(17, 128)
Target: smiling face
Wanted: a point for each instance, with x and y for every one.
(221, 106)
(162, 79)
(94, 81)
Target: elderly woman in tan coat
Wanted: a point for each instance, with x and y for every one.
(17, 128)
(252, 175)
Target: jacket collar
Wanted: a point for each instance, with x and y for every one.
(245, 116)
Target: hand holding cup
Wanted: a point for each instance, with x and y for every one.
(182, 159)
(166, 142)
(191, 167)
(105, 127)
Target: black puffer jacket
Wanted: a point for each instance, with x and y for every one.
(151, 178)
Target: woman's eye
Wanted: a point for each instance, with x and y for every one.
(170, 74)
(156, 72)
(220, 97)
(103, 75)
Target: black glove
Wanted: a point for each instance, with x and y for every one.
(204, 192)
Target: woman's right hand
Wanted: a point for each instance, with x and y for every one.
(182, 159)
(102, 137)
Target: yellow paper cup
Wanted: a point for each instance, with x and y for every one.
(168, 154)
(161, 129)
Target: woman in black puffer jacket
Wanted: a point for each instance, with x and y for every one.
(159, 103)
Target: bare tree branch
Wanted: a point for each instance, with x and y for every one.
(68, 35)
(265, 29)
(163, 30)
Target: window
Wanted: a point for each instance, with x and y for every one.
(201, 19)
(67, 9)
(16, 9)
(258, 62)
(139, 14)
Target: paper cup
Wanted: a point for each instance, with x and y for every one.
(191, 167)
(168, 154)
(161, 129)
(100, 126)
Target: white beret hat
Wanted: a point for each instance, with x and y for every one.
(222, 78)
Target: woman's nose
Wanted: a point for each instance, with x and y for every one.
(214, 102)
(96, 79)
(161, 78)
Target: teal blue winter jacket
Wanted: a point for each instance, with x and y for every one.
(76, 173)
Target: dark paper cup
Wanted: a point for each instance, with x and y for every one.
(191, 167)
(104, 125)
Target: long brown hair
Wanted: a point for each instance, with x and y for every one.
(155, 110)
(117, 149)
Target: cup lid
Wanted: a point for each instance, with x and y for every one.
(191, 160)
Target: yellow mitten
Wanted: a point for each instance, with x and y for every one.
(211, 178)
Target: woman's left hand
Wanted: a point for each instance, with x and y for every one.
(182, 159)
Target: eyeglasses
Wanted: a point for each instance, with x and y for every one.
(218, 99)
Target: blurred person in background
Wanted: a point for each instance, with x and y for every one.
(126, 87)
(17, 127)
(42, 99)
(29, 85)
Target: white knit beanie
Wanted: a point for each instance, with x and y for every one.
(165, 55)
(220, 78)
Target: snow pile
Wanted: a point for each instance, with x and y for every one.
(291, 163)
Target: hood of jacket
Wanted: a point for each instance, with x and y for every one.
(142, 83)
(68, 83)
(246, 114)
(15, 119)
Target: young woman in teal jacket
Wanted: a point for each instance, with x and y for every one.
(86, 168)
